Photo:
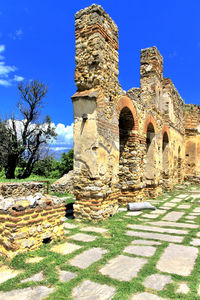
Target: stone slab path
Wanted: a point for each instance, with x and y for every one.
(123, 268)
(143, 255)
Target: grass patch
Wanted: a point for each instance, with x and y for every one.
(114, 241)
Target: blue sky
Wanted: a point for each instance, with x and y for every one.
(37, 42)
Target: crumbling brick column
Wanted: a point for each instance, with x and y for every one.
(96, 133)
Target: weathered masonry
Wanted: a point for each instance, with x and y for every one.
(127, 145)
(28, 217)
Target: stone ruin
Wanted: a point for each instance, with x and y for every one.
(28, 217)
(127, 145)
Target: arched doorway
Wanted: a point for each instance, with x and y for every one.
(126, 124)
(149, 170)
(165, 155)
(126, 147)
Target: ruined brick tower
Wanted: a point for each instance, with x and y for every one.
(127, 145)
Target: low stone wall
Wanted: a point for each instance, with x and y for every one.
(28, 222)
(193, 179)
(64, 184)
(18, 189)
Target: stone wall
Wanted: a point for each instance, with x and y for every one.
(17, 189)
(192, 143)
(28, 222)
(127, 145)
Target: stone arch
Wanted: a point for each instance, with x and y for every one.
(128, 126)
(165, 153)
(126, 102)
(149, 120)
(150, 163)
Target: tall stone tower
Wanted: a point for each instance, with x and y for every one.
(96, 142)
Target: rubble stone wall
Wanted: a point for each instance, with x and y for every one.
(17, 189)
(27, 222)
(192, 143)
(127, 145)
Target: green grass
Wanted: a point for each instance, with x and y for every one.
(115, 240)
(31, 178)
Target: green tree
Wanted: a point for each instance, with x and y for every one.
(48, 167)
(29, 141)
(66, 162)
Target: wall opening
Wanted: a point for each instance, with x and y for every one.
(165, 155)
(149, 170)
(69, 212)
(126, 144)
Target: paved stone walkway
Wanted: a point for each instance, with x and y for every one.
(141, 255)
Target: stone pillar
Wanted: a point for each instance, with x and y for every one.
(96, 134)
(151, 72)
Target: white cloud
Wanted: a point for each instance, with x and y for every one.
(2, 48)
(64, 134)
(5, 82)
(63, 141)
(18, 78)
(6, 70)
(60, 148)
(17, 35)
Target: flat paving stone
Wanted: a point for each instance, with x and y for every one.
(7, 273)
(158, 211)
(178, 259)
(173, 216)
(174, 224)
(65, 248)
(169, 204)
(134, 213)
(94, 229)
(176, 200)
(195, 242)
(146, 251)
(151, 216)
(157, 281)
(156, 236)
(157, 229)
(123, 268)
(197, 210)
(184, 206)
(166, 207)
(33, 260)
(35, 277)
(183, 288)
(145, 242)
(88, 257)
(31, 293)
(65, 276)
(182, 196)
(83, 237)
(69, 226)
(190, 217)
(89, 290)
(146, 296)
